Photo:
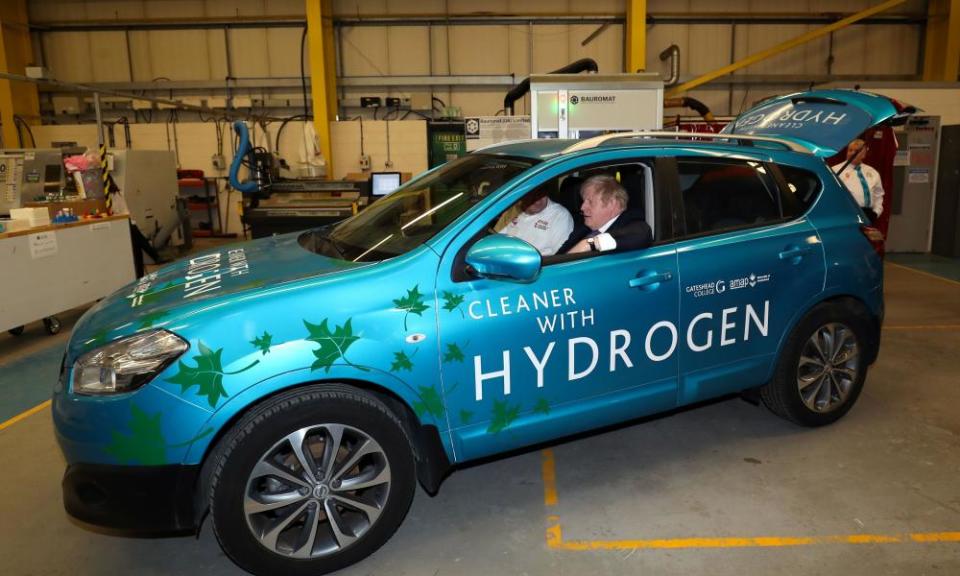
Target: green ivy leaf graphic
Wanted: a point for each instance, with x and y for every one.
(401, 362)
(155, 294)
(453, 353)
(152, 318)
(412, 303)
(502, 417)
(542, 407)
(98, 338)
(263, 342)
(430, 403)
(207, 376)
(465, 416)
(452, 301)
(333, 345)
(258, 283)
(145, 445)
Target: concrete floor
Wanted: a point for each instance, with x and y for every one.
(668, 496)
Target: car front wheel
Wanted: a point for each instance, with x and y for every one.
(822, 367)
(311, 481)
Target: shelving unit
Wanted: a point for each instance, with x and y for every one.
(194, 185)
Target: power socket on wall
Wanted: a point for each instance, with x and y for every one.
(364, 161)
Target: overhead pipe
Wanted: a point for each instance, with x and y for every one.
(691, 103)
(672, 52)
(518, 91)
(653, 18)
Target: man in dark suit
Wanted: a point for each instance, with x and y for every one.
(607, 224)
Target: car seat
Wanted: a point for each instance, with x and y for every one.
(568, 196)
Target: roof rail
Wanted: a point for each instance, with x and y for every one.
(599, 140)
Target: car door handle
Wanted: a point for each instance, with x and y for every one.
(794, 252)
(650, 280)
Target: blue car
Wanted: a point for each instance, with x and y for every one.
(297, 388)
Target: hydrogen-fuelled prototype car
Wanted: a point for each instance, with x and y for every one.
(295, 389)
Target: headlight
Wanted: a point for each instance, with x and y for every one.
(126, 364)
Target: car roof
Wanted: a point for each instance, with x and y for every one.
(548, 148)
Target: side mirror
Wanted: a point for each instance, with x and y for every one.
(501, 257)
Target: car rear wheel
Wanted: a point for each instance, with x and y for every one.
(311, 481)
(822, 367)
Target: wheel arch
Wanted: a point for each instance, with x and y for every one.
(858, 304)
(431, 460)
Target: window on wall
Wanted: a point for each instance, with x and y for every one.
(721, 195)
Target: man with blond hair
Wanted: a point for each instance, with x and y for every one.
(607, 223)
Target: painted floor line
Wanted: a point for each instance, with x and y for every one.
(24, 415)
(923, 327)
(922, 272)
(555, 541)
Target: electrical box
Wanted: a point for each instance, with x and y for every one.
(585, 105)
(66, 104)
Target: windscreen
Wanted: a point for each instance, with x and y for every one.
(417, 211)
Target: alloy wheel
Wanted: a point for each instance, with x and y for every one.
(828, 367)
(317, 491)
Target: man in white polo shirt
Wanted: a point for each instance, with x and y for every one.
(540, 221)
(861, 180)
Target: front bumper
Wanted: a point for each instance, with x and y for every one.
(146, 500)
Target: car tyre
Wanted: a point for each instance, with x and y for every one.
(821, 370)
(271, 516)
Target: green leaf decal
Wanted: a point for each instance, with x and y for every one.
(430, 403)
(333, 345)
(412, 303)
(401, 362)
(452, 301)
(155, 294)
(502, 417)
(98, 338)
(453, 353)
(263, 342)
(152, 318)
(542, 407)
(207, 376)
(258, 283)
(465, 416)
(145, 445)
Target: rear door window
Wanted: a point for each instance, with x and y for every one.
(720, 195)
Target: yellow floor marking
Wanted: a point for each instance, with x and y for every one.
(555, 541)
(923, 327)
(24, 415)
(923, 273)
(936, 537)
(549, 479)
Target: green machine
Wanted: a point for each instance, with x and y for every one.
(447, 141)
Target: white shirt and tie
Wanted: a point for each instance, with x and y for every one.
(864, 185)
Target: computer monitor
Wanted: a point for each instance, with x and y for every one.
(383, 183)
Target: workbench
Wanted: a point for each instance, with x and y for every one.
(49, 269)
